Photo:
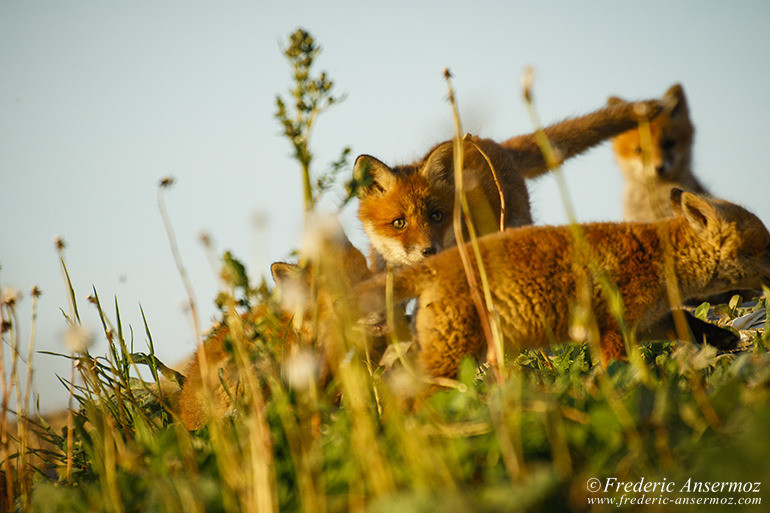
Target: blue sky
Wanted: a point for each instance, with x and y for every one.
(98, 101)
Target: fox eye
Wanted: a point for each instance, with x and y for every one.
(399, 223)
(668, 144)
(638, 150)
(436, 216)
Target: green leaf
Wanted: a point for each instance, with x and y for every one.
(702, 311)
(735, 301)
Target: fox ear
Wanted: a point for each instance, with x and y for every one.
(293, 285)
(677, 101)
(354, 264)
(614, 100)
(676, 200)
(438, 165)
(283, 273)
(699, 212)
(372, 176)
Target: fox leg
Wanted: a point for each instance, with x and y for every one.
(612, 347)
(446, 333)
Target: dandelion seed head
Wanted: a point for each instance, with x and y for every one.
(11, 295)
(641, 110)
(403, 384)
(322, 231)
(78, 339)
(294, 295)
(301, 370)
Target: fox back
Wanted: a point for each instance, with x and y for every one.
(532, 272)
(646, 191)
(407, 210)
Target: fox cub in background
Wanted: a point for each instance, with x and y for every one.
(303, 319)
(406, 210)
(646, 192)
(715, 245)
(194, 409)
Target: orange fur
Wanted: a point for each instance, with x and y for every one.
(306, 317)
(407, 210)
(715, 246)
(646, 191)
(264, 322)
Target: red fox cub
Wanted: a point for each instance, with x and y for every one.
(715, 246)
(293, 323)
(407, 210)
(194, 409)
(646, 193)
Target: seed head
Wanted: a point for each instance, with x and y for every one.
(78, 339)
(11, 295)
(641, 110)
(526, 82)
(205, 239)
(301, 370)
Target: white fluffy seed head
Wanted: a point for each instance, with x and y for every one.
(78, 339)
(301, 370)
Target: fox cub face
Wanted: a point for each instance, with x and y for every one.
(407, 210)
(671, 142)
(739, 240)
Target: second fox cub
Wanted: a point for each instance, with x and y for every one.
(306, 318)
(715, 246)
(407, 210)
(646, 190)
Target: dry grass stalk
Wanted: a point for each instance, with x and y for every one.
(489, 321)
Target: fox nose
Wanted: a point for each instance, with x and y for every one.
(660, 169)
(430, 250)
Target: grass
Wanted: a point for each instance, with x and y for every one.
(528, 443)
(528, 434)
